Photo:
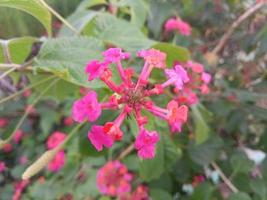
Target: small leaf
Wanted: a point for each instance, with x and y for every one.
(19, 48)
(174, 53)
(34, 8)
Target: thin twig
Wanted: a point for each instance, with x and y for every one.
(2, 142)
(236, 23)
(126, 151)
(3, 75)
(224, 178)
(59, 17)
(26, 88)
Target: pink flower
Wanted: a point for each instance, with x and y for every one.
(145, 143)
(68, 121)
(115, 55)
(196, 67)
(55, 139)
(113, 179)
(206, 77)
(3, 122)
(95, 69)
(187, 96)
(2, 166)
(18, 136)
(86, 108)
(177, 115)
(7, 148)
(23, 160)
(153, 57)
(57, 163)
(141, 193)
(177, 76)
(99, 139)
(204, 89)
(178, 25)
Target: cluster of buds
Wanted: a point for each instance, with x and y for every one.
(131, 98)
(114, 179)
(52, 142)
(177, 25)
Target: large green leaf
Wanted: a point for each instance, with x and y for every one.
(34, 8)
(67, 57)
(174, 53)
(79, 20)
(239, 196)
(19, 48)
(120, 33)
(206, 152)
(158, 194)
(201, 128)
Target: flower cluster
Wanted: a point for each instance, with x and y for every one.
(53, 141)
(178, 25)
(140, 193)
(113, 179)
(199, 81)
(134, 97)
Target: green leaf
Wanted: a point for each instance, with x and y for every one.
(203, 191)
(239, 196)
(60, 91)
(167, 153)
(240, 163)
(259, 187)
(67, 57)
(34, 8)
(19, 48)
(120, 33)
(158, 194)
(206, 152)
(174, 53)
(201, 128)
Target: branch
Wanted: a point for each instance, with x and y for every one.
(224, 178)
(236, 23)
